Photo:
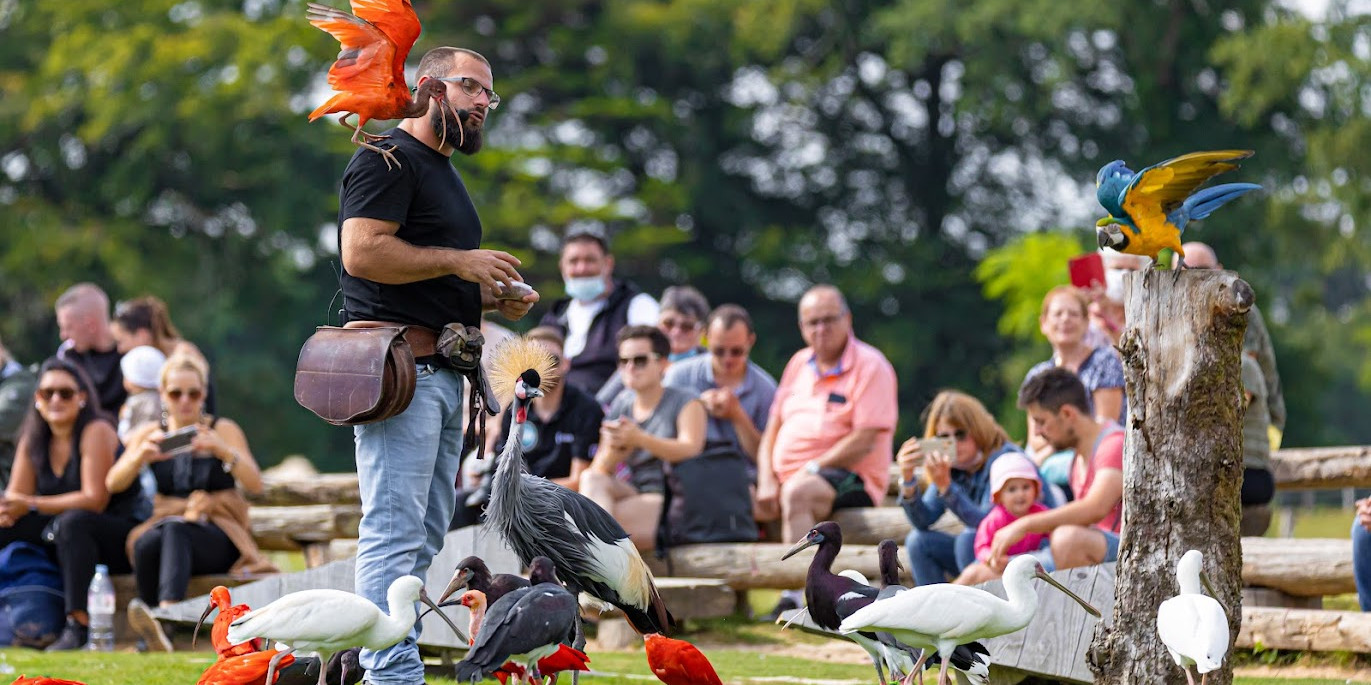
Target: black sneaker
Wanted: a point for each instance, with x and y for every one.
(74, 636)
(148, 627)
(786, 604)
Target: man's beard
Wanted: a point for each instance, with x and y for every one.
(465, 137)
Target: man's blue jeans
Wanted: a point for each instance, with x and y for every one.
(934, 556)
(407, 470)
(1361, 563)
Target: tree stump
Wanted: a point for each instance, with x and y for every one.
(1182, 461)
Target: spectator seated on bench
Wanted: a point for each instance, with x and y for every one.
(200, 520)
(57, 496)
(1361, 552)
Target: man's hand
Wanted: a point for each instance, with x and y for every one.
(490, 268)
(721, 403)
(1005, 538)
(516, 309)
(768, 499)
(1364, 513)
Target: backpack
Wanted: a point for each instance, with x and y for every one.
(32, 607)
(707, 500)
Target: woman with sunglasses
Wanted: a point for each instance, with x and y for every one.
(958, 482)
(681, 318)
(200, 521)
(648, 425)
(57, 494)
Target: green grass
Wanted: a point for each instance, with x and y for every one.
(1319, 522)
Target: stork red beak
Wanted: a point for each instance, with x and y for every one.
(196, 634)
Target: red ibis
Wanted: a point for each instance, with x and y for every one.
(1192, 625)
(218, 634)
(677, 662)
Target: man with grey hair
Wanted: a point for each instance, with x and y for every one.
(410, 242)
(17, 384)
(83, 324)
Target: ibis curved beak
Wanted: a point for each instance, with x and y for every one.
(459, 582)
(196, 634)
(802, 544)
(1084, 604)
(1208, 587)
(423, 597)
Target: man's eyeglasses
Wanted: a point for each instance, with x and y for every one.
(958, 435)
(472, 87)
(192, 395)
(639, 361)
(64, 393)
(722, 352)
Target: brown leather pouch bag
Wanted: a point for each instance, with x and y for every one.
(351, 376)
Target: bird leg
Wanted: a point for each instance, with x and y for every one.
(1204, 677)
(918, 670)
(880, 673)
(361, 138)
(271, 665)
(323, 669)
(942, 671)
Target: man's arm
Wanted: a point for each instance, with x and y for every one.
(749, 438)
(851, 449)
(1105, 492)
(371, 250)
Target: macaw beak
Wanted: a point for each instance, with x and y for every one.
(1107, 221)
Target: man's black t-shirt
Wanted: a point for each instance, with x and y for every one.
(573, 431)
(427, 198)
(103, 369)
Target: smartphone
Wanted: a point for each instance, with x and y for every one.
(946, 446)
(1087, 270)
(178, 441)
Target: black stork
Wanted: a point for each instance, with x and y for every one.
(473, 574)
(523, 626)
(536, 517)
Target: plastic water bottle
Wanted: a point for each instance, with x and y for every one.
(100, 605)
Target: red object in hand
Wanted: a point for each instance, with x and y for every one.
(677, 662)
(246, 669)
(1087, 270)
(228, 613)
(44, 680)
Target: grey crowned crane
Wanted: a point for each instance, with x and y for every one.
(523, 626)
(591, 551)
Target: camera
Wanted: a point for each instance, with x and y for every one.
(178, 441)
(946, 446)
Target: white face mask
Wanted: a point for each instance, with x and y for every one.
(585, 288)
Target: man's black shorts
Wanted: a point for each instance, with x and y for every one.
(851, 491)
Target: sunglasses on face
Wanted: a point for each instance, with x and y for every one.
(638, 361)
(722, 352)
(679, 325)
(192, 395)
(64, 393)
(958, 435)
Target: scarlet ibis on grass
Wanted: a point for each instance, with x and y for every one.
(590, 550)
(1193, 626)
(327, 621)
(566, 658)
(943, 617)
(245, 669)
(677, 662)
(473, 573)
(44, 680)
(524, 626)
(229, 612)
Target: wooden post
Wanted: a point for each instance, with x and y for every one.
(1182, 461)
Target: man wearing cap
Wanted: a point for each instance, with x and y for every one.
(596, 307)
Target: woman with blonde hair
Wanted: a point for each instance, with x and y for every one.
(199, 523)
(957, 481)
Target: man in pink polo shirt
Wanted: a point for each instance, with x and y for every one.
(828, 441)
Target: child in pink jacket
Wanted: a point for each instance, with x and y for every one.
(1014, 487)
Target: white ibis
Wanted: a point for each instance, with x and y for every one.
(523, 626)
(1193, 626)
(473, 574)
(942, 617)
(327, 621)
(590, 550)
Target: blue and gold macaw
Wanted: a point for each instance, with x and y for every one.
(1149, 210)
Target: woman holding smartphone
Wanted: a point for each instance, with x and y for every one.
(200, 520)
(951, 465)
